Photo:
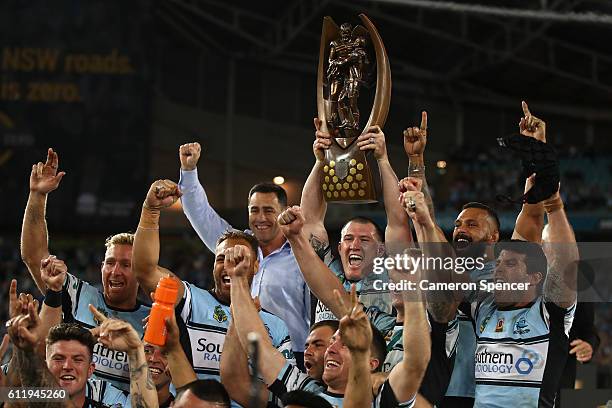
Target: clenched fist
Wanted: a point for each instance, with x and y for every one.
(189, 154)
(291, 221)
(237, 261)
(162, 194)
(53, 272)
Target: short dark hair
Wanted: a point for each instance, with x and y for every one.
(206, 390)
(304, 399)
(332, 324)
(535, 259)
(268, 187)
(491, 212)
(366, 220)
(379, 347)
(71, 331)
(237, 234)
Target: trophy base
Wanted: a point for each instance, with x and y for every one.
(347, 176)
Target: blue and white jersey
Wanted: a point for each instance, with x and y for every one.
(98, 391)
(462, 383)
(368, 296)
(512, 367)
(206, 321)
(290, 378)
(443, 350)
(111, 365)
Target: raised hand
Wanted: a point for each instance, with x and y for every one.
(355, 327)
(18, 304)
(44, 177)
(373, 139)
(531, 126)
(114, 334)
(323, 141)
(189, 154)
(172, 335)
(291, 221)
(53, 272)
(162, 194)
(416, 207)
(415, 138)
(237, 261)
(24, 329)
(410, 184)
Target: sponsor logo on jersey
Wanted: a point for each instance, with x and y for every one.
(111, 361)
(207, 347)
(509, 362)
(219, 314)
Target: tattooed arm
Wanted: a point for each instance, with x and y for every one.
(121, 336)
(25, 333)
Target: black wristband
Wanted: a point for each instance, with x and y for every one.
(53, 298)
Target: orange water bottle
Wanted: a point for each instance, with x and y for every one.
(165, 298)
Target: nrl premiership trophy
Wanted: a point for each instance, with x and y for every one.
(343, 62)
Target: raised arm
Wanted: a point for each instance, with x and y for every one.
(312, 202)
(120, 336)
(25, 333)
(203, 218)
(180, 368)
(53, 274)
(398, 227)
(145, 251)
(356, 334)
(530, 221)
(237, 263)
(235, 371)
(441, 304)
(405, 378)
(44, 178)
(319, 278)
(560, 283)
(415, 140)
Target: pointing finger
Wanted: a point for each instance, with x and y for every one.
(97, 314)
(424, 120)
(525, 108)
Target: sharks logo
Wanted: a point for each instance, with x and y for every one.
(521, 327)
(219, 314)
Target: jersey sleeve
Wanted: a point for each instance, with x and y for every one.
(76, 289)
(384, 322)
(386, 398)
(290, 378)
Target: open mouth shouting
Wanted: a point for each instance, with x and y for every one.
(116, 284)
(331, 364)
(462, 241)
(355, 260)
(226, 280)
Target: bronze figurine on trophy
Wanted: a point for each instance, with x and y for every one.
(343, 64)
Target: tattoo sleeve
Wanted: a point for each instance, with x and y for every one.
(142, 387)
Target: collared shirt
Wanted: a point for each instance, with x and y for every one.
(278, 282)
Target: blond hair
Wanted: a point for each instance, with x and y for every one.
(123, 238)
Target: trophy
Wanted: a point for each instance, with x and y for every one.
(343, 62)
